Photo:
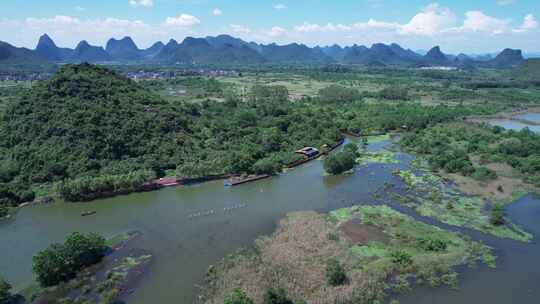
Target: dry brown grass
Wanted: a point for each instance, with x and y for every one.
(359, 233)
(294, 258)
(490, 190)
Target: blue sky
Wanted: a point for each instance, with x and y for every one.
(458, 26)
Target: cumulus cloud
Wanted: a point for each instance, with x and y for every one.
(529, 23)
(217, 12)
(477, 21)
(431, 20)
(184, 20)
(141, 3)
(280, 6)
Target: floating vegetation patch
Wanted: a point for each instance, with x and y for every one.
(377, 138)
(430, 196)
(381, 157)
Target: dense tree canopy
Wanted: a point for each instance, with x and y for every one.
(450, 147)
(61, 262)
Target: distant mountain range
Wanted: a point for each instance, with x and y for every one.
(228, 50)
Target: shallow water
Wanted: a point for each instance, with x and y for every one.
(513, 125)
(516, 278)
(184, 246)
(534, 117)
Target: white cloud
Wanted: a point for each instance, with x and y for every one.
(280, 6)
(141, 3)
(184, 20)
(67, 31)
(529, 23)
(276, 31)
(240, 29)
(477, 21)
(217, 12)
(431, 20)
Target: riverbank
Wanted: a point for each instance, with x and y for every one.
(381, 251)
(109, 281)
(511, 115)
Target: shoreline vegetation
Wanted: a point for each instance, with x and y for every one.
(377, 251)
(496, 164)
(101, 282)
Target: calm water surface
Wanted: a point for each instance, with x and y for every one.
(513, 125)
(184, 247)
(535, 117)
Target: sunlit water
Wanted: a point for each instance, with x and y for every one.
(184, 246)
(534, 117)
(518, 125)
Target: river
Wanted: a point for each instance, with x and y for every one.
(184, 246)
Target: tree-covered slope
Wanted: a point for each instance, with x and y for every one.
(86, 120)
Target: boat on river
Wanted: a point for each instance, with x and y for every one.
(88, 213)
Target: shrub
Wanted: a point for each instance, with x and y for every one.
(401, 258)
(237, 296)
(431, 244)
(3, 211)
(5, 292)
(335, 273)
(276, 296)
(497, 215)
(484, 174)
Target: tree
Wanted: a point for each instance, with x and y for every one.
(276, 296)
(85, 250)
(269, 165)
(237, 296)
(497, 215)
(351, 148)
(339, 162)
(335, 273)
(61, 262)
(5, 292)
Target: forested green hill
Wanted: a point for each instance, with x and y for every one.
(86, 120)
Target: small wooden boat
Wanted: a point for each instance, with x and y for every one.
(88, 213)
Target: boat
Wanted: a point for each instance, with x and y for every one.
(238, 180)
(88, 213)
